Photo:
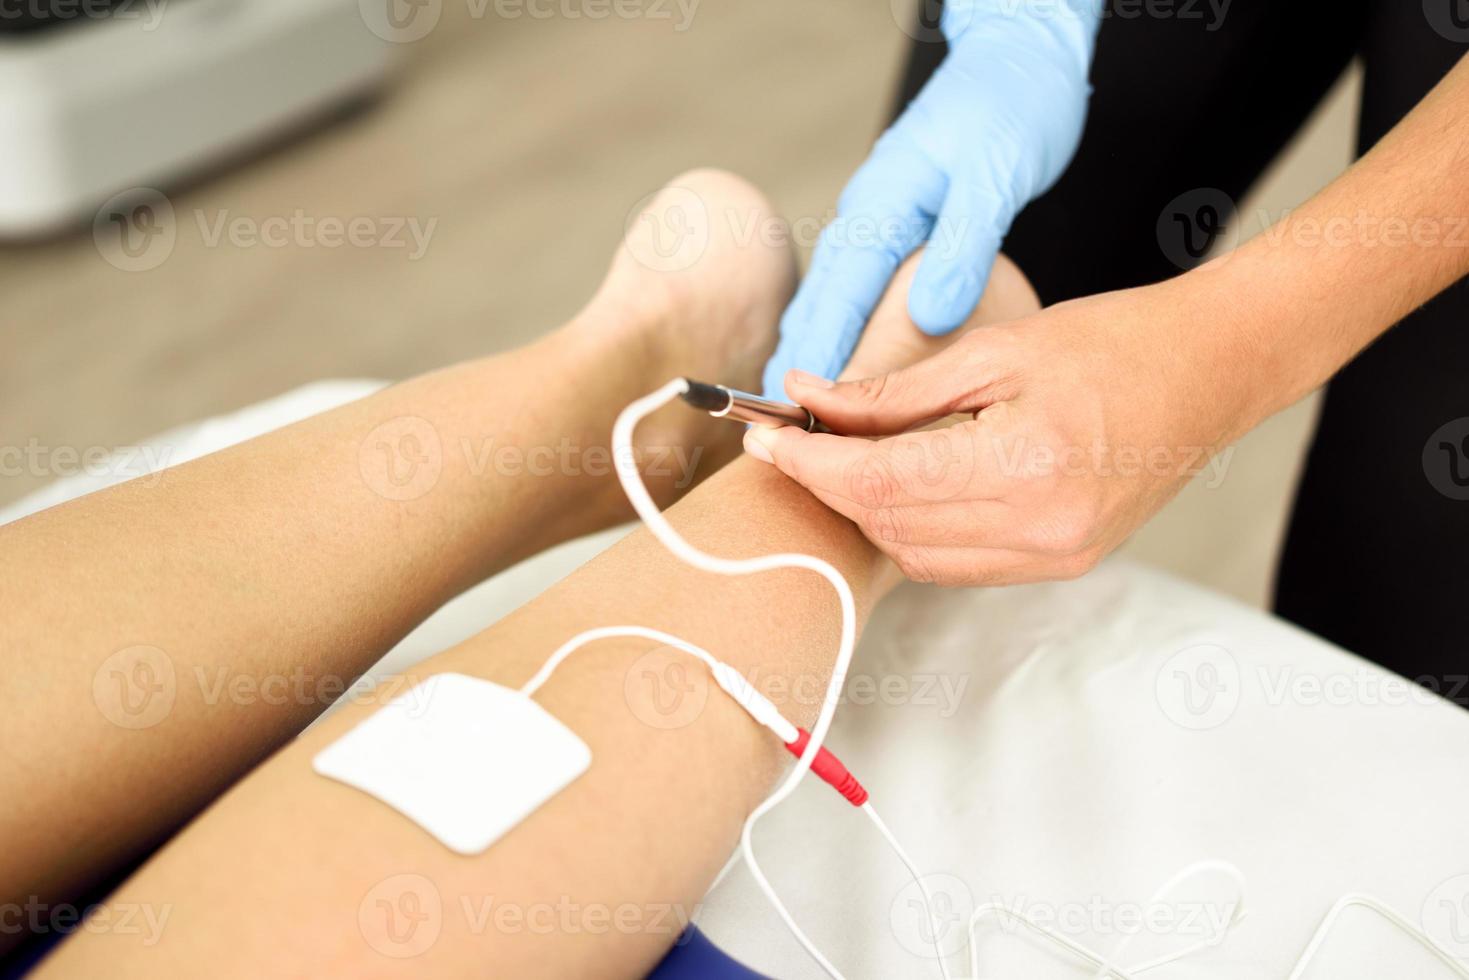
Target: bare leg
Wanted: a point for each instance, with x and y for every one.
(292, 872)
(134, 616)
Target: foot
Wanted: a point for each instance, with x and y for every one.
(696, 289)
(892, 341)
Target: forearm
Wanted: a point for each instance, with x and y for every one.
(291, 859)
(1391, 233)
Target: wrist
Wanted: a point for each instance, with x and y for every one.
(1250, 313)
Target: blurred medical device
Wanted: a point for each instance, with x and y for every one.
(99, 97)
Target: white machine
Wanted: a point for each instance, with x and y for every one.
(101, 96)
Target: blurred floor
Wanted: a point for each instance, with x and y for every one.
(527, 140)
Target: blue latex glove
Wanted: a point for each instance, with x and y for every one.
(993, 129)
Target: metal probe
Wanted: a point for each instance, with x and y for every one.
(728, 403)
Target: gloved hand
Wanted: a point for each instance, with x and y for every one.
(992, 130)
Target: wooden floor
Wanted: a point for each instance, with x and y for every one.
(527, 141)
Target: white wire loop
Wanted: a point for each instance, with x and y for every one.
(625, 461)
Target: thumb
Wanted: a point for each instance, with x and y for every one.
(948, 382)
(956, 265)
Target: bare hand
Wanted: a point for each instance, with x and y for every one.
(1083, 420)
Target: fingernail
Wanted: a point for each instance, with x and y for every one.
(805, 378)
(755, 447)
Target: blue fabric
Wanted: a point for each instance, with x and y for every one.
(694, 957)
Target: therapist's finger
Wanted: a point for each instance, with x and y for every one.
(970, 524)
(912, 469)
(966, 377)
(956, 265)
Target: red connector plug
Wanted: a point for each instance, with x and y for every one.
(830, 769)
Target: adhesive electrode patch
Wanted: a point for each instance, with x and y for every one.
(464, 758)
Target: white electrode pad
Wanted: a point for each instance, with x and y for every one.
(463, 758)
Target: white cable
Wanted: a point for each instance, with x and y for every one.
(1188, 871)
(734, 683)
(933, 924)
(1104, 968)
(625, 460)
(632, 484)
(607, 632)
(1104, 965)
(1391, 915)
(1106, 971)
(763, 711)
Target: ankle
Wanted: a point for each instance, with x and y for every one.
(617, 338)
